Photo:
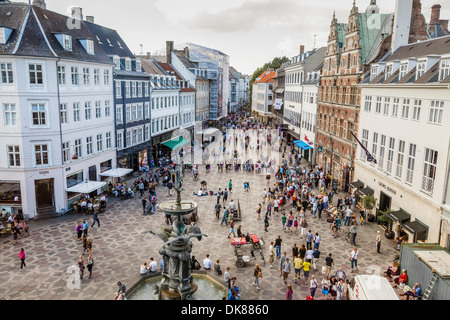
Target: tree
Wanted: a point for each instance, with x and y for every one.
(276, 63)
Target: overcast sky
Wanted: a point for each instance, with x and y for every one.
(251, 32)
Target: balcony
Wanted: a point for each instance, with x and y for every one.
(409, 176)
(427, 185)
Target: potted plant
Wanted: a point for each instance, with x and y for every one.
(383, 219)
(74, 157)
(368, 202)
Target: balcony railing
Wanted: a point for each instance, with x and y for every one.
(427, 184)
(399, 171)
(389, 166)
(409, 175)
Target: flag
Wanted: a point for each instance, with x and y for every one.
(370, 157)
(306, 138)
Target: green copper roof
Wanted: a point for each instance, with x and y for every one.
(373, 29)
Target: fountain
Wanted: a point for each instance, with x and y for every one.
(177, 281)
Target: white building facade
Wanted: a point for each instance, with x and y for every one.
(405, 125)
(56, 124)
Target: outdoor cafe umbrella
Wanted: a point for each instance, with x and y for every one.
(116, 173)
(86, 187)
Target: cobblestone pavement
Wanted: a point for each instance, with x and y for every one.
(121, 245)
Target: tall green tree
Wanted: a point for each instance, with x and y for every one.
(275, 64)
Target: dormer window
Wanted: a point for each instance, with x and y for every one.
(117, 62)
(373, 72)
(138, 66)
(444, 71)
(128, 64)
(98, 39)
(65, 41)
(88, 45)
(388, 72)
(109, 42)
(420, 69)
(403, 70)
(4, 34)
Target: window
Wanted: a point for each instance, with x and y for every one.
(403, 70)
(416, 111)
(41, 154)
(87, 111)
(378, 105)
(127, 89)
(119, 140)
(63, 113)
(134, 140)
(78, 148)
(128, 138)
(429, 170)
(98, 109)
(420, 69)
(62, 75)
(74, 74)
(153, 126)
(375, 145)
(400, 157)
(10, 115)
(140, 110)
(14, 156)
(106, 77)
(134, 114)
(117, 62)
(89, 145)
(382, 152)
(138, 66)
(128, 113)
(86, 76)
(147, 110)
(90, 46)
(388, 72)
(38, 114)
(147, 92)
(365, 142)
(395, 107)
(96, 77)
(119, 114)
(368, 104)
(140, 135)
(139, 86)
(390, 155)
(107, 108)
(387, 102)
(6, 73)
(411, 163)
(133, 88)
(405, 108)
(66, 151)
(444, 71)
(36, 74)
(118, 89)
(99, 142)
(76, 112)
(108, 140)
(67, 41)
(436, 111)
(128, 64)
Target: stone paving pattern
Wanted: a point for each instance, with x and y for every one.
(121, 245)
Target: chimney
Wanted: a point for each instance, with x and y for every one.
(435, 13)
(169, 50)
(418, 31)
(39, 3)
(302, 49)
(402, 24)
(76, 12)
(90, 19)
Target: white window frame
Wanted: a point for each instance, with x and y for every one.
(62, 75)
(436, 112)
(9, 114)
(444, 71)
(42, 152)
(43, 121)
(63, 113)
(6, 73)
(76, 112)
(14, 156)
(36, 72)
(417, 109)
(405, 108)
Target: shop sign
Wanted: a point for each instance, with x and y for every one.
(44, 172)
(320, 149)
(381, 184)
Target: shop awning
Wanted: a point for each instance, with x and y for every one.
(399, 216)
(303, 145)
(365, 191)
(175, 143)
(418, 228)
(356, 184)
(86, 187)
(116, 173)
(279, 90)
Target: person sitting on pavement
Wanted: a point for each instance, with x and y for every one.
(414, 292)
(207, 262)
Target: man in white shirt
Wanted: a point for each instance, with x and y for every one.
(232, 205)
(348, 214)
(152, 265)
(207, 263)
(271, 254)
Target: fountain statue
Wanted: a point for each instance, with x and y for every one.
(177, 282)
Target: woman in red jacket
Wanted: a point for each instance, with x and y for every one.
(403, 278)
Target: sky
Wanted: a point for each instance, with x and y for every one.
(250, 32)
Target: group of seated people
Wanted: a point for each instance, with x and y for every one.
(400, 279)
(88, 205)
(122, 190)
(150, 268)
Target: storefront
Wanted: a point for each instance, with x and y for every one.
(158, 148)
(73, 180)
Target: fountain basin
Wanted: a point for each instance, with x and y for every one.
(208, 288)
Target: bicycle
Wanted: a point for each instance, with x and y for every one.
(339, 232)
(348, 236)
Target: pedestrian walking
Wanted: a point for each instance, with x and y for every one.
(282, 261)
(329, 262)
(81, 266)
(348, 214)
(309, 238)
(298, 263)
(95, 218)
(289, 292)
(340, 290)
(232, 223)
(316, 256)
(224, 217)
(286, 267)
(354, 258)
(317, 240)
(257, 274)
(266, 223)
(306, 267)
(217, 208)
(169, 187)
(85, 227)
(378, 242)
(325, 286)
(258, 212)
(144, 204)
(313, 285)
(90, 265)
(79, 230)
(353, 231)
(89, 245)
(22, 258)
(278, 246)
(271, 254)
(84, 241)
(230, 186)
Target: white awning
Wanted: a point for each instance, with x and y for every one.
(86, 187)
(116, 173)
